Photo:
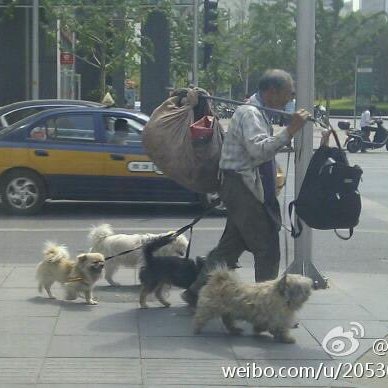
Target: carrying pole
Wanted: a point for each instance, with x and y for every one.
(305, 43)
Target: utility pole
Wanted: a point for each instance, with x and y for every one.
(35, 50)
(58, 58)
(305, 44)
(195, 45)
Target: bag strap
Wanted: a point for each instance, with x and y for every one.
(294, 233)
(343, 237)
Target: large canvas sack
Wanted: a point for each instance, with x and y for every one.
(168, 141)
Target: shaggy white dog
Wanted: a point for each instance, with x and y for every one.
(106, 242)
(269, 306)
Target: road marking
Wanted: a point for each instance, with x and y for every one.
(377, 210)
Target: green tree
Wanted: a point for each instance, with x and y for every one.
(107, 32)
(338, 41)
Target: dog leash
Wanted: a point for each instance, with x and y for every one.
(177, 233)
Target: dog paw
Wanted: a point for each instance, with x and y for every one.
(92, 302)
(52, 297)
(144, 306)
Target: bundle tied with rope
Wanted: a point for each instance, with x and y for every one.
(184, 139)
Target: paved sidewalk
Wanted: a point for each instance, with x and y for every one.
(52, 343)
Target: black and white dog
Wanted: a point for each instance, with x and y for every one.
(160, 271)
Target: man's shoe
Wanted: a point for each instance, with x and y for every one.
(190, 298)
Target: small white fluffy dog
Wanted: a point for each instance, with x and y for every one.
(106, 242)
(77, 277)
(269, 306)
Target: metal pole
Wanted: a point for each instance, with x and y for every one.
(35, 50)
(27, 37)
(58, 59)
(195, 45)
(305, 43)
(355, 92)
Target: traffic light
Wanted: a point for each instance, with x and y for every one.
(210, 16)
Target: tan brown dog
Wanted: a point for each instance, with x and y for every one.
(269, 306)
(77, 276)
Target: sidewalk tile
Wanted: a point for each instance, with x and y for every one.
(173, 322)
(322, 311)
(27, 325)
(89, 370)
(101, 320)
(94, 346)
(30, 308)
(265, 348)
(331, 296)
(123, 294)
(21, 294)
(197, 373)
(378, 309)
(5, 271)
(205, 348)
(21, 345)
(320, 328)
(19, 370)
(21, 277)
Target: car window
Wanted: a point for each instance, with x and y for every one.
(20, 114)
(122, 130)
(67, 127)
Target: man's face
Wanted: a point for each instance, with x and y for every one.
(278, 98)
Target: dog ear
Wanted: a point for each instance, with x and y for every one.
(82, 257)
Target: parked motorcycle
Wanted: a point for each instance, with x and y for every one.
(356, 140)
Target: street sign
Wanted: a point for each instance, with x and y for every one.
(67, 58)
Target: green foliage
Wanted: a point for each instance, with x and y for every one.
(338, 41)
(107, 33)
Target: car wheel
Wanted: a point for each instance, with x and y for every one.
(22, 192)
(353, 146)
(208, 200)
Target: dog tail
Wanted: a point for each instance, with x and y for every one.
(220, 275)
(153, 245)
(100, 233)
(53, 252)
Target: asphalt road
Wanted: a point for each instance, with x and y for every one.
(22, 238)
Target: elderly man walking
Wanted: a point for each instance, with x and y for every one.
(248, 187)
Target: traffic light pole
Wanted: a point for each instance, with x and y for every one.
(195, 43)
(305, 43)
(35, 50)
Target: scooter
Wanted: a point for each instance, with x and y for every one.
(356, 140)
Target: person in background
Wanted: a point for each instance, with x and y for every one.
(248, 189)
(365, 124)
(121, 130)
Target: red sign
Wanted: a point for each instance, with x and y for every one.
(67, 58)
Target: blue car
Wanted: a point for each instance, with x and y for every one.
(82, 153)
